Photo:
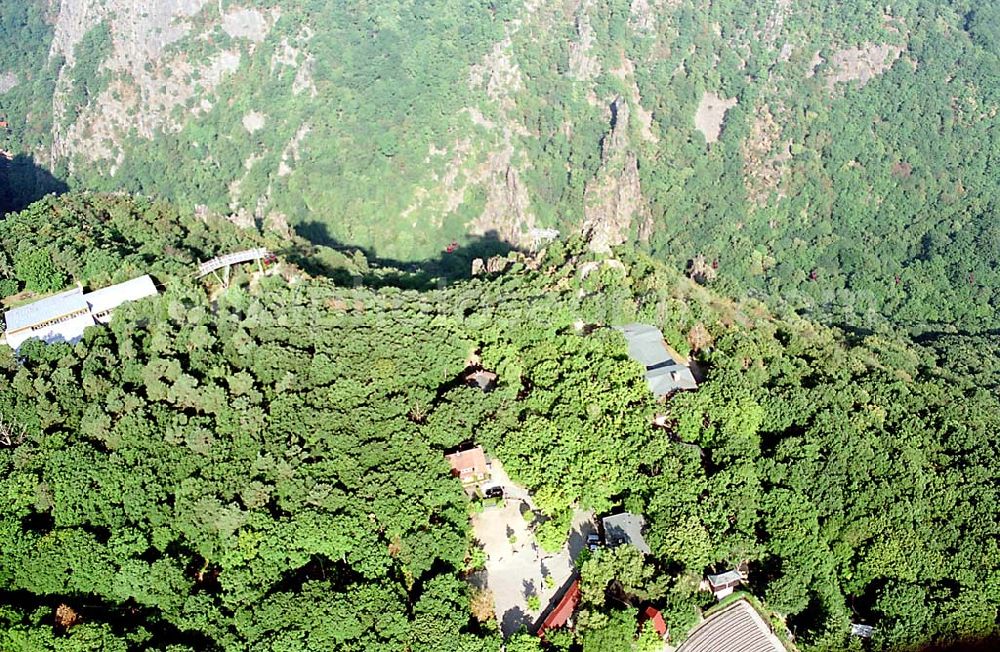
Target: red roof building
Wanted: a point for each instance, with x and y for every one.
(652, 615)
(563, 611)
(469, 465)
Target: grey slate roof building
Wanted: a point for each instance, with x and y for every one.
(63, 317)
(736, 628)
(625, 528)
(664, 374)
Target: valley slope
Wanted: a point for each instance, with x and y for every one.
(833, 157)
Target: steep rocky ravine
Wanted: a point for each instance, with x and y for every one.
(567, 116)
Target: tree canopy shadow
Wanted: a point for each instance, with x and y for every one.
(23, 181)
(987, 644)
(451, 263)
(513, 620)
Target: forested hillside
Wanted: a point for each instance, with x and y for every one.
(834, 157)
(261, 467)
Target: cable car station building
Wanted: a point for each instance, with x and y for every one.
(63, 317)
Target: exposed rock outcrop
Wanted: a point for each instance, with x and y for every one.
(149, 76)
(861, 64)
(583, 66)
(248, 24)
(765, 156)
(254, 121)
(494, 165)
(711, 115)
(8, 82)
(613, 200)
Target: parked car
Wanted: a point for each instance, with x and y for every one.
(593, 541)
(495, 491)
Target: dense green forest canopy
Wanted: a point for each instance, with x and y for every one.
(853, 176)
(797, 187)
(261, 467)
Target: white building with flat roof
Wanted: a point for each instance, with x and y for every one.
(723, 584)
(63, 317)
(102, 302)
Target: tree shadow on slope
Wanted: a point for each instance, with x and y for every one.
(988, 644)
(23, 182)
(123, 618)
(342, 262)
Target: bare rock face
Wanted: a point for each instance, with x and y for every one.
(497, 264)
(149, 75)
(626, 72)
(508, 208)
(642, 17)
(583, 66)
(248, 24)
(492, 265)
(491, 162)
(765, 157)
(711, 115)
(8, 81)
(613, 199)
(861, 64)
(254, 121)
(278, 223)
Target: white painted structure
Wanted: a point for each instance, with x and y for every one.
(722, 585)
(102, 302)
(63, 317)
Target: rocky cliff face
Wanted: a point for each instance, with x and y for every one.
(565, 112)
(153, 79)
(501, 152)
(613, 199)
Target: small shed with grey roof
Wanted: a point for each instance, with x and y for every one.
(724, 583)
(862, 631)
(625, 528)
(665, 373)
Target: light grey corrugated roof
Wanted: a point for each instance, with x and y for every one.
(725, 578)
(737, 628)
(625, 527)
(113, 296)
(43, 310)
(864, 631)
(63, 330)
(668, 379)
(645, 344)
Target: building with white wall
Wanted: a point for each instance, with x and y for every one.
(63, 317)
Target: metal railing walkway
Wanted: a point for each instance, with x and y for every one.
(232, 259)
